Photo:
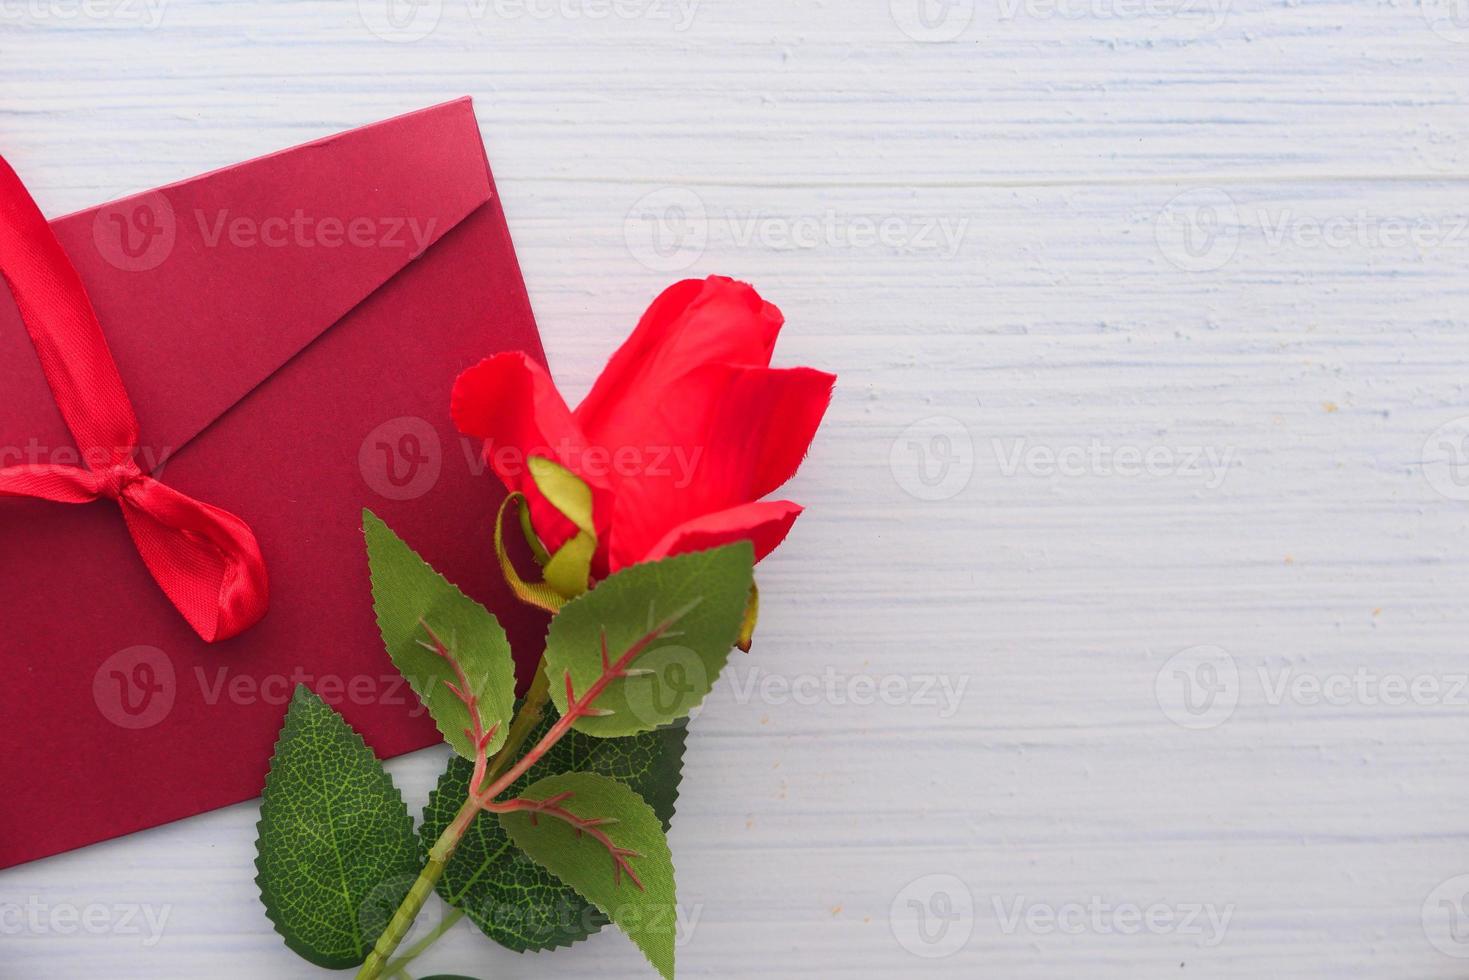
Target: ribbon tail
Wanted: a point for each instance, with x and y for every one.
(59, 484)
(205, 559)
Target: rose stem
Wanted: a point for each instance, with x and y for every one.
(448, 842)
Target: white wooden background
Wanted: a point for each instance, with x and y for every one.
(1178, 230)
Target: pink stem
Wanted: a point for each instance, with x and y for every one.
(578, 709)
(591, 826)
(476, 734)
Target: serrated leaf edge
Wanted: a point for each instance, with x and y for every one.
(678, 766)
(560, 699)
(290, 941)
(672, 870)
(378, 621)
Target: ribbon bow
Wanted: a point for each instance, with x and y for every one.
(205, 559)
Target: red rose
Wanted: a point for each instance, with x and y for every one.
(686, 429)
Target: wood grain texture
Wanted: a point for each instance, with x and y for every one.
(1098, 229)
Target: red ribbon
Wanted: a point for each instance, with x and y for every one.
(205, 559)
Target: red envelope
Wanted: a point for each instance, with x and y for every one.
(289, 330)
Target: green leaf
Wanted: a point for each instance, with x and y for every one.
(336, 851)
(751, 620)
(699, 597)
(528, 531)
(532, 593)
(417, 608)
(643, 908)
(569, 569)
(512, 899)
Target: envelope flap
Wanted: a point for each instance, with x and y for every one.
(207, 287)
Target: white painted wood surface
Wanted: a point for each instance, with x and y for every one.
(1306, 353)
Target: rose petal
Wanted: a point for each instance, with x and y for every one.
(722, 436)
(694, 323)
(765, 524)
(510, 402)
